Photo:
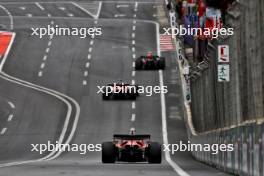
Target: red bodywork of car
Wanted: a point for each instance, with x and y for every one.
(123, 143)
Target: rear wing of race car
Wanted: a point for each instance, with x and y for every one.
(131, 137)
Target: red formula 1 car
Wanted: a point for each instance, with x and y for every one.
(150, 62)
(131, 148)
(119, 91)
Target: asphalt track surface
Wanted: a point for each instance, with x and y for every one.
(71, 68)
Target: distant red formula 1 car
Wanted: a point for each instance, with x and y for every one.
(150, 62)
(131, 148)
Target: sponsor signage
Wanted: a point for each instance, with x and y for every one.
(223, 54)
(223, 73)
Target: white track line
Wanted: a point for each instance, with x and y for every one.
(134, 64)
(119, 15)
(10, 117)
(47, 91)
(3, 131)
(122, 5)
(133, 105)
(133, 73)
(44, 57)
(134, 28)
(39, 6)
(47, 50)
(89, 56)
(90, 49)
(134, 56)
(91, 42)
(10, 17)
(11, 105)
(83, 9)
(62, 8)
(176, 167)
(133, 117)
(62, 97)
(85, 73)
(51, 92)
(22, 8)
(87, 64)
(40, 74)
(84, 82)
(42, 65)
(136, 5)
(99, 10)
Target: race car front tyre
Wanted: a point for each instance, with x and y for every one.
(154, 153)
(108, 152)
(139, 63)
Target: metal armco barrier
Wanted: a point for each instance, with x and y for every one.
(247, 157)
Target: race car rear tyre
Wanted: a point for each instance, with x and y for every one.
(105, 97)
(154, 153)
(108, 152)
(133, 96)
(138, 65)
(162, 63)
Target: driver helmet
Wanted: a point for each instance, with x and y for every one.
(149, 55)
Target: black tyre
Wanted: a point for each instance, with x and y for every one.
(139, 63)
(105, 97)
(132, 96)
(154, 153)
(162, 63)
(108, 152)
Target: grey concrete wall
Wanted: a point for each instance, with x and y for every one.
(217, 105)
